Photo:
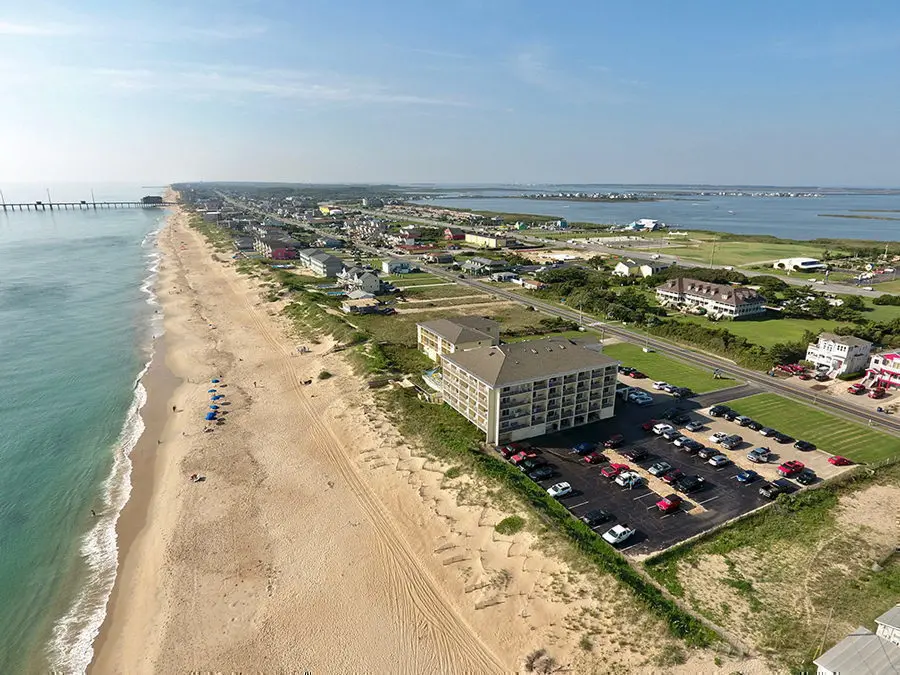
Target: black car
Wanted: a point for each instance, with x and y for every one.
(671, 434)
(680, 418)
(754, 425)
(542, 473)
(768, 431)
(635, 454)
(781, 438)
(531, 464)
(595, 517)
(626, 370)
(806, 446)
(822, 377)
(688, 484)
(671, 413)
(772, 490)
(692, 445)
(719, 410)
(706, 453)
(806, 477)
(682, 392)
(731, 415)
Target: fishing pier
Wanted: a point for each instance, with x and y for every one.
(151, 202)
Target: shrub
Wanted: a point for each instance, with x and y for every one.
(453, 472)
(324, 375)
(887, 300)
(852, 376)
(510, 525)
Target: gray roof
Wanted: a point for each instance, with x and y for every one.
(890, 617)
(530, 360)
(848, 340)
(461, 329)
(724, 293)
(862, 652)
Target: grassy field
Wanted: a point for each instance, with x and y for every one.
(442, 291)
(657, 366)
(572, 334)
(766, 332)
(882, 312)
(413, 277)
(830, 433)
(743, 253)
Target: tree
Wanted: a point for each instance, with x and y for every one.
(855, 303)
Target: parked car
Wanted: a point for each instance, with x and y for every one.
(782, 438)
(806, 477)
(680, 441)
(692, 447)
(660, 385)
(754, 425)
(877, 392)
(790, 468)
(718, 460)
(618, 534)
(625, 370)
(747, 476)
(558, 490)
(583, 448)
(643, 400)
(659, 469)
(767, 431)
(670, 413)
(595, 517)
(695, 425)
(522, 456)
(804, 376)
(822, 377)
(531, 464)
(759, 455)
(507, 451)
(743, 420)
(635, 454)
(636, 374)
(671, 434)
(682, 392)
(772, 489)
(669, 388)
(688, 484)
(662, 427)
(629, 479)
(718, 437)
(706, 453)
(614, 441)
(731, 415)
(839, 460)
(805, 446)
(614, 470)
(673, 476)
(649, 424)
(595, 457)
(669, 503)
(719, 410)
(732, 442)
(542, 473)
(681, 418)
(856, 389)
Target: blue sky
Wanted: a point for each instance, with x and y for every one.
(759, 92)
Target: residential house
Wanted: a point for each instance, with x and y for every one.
(244, 244)
(453, 234)
(328, 242)
(360, 295)
(372, 203)
(839, 354)
(637, 267)
(863, 651)
(446, 336)
(719, 300)
(361, 306)
(357, 278)
(438, 258)
(504, 276)
(884, 370)
(281, 248)
(320, 263)
(395, 267)
(485, 240)
(530, 284)
(530, 388)
(483, 266)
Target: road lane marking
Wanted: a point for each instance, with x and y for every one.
(708, 500)
(575, 506)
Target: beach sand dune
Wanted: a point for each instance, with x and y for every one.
(321, 539)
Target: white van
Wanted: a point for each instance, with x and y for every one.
(662, 428)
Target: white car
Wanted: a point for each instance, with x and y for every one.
(718, 437)
(660, 385)
(617, 534)
(696, 425)
(662, 428)
(718, 460)
(629, 479)
(559, 490)
(681, 440)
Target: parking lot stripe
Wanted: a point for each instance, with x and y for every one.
(575, 506)
(622, 550)
(709, 500)
(646, 494)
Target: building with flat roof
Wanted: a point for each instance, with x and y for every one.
(530, 388)
(800, 265)
(719, 300)
(840, 354)
(320, 263)
(446, 336)
(485, 240)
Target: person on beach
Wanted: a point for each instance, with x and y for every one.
(93, 513)
(173, 409)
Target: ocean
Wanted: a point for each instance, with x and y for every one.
(785, 217)
(77, 321)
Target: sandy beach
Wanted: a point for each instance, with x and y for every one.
(321, 539)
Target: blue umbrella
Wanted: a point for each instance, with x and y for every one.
(210, 391)
(210, 415)
(213, 407)
(218, 396)
(214, 381)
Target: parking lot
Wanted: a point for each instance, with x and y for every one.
(720, 498)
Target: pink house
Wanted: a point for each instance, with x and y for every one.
(884, 370)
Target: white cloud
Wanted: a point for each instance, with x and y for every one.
(36, 29)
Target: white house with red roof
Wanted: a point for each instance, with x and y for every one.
(884, 370)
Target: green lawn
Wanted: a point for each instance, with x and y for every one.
(882, 312)
(830, 433)
(412, 276)
(745, 252)
(766, 332)
(442, 291)
(657, 366)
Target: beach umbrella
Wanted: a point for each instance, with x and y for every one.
(211, 415)
(210, 391)
(218, 396)
(213, 407)
(214, 381)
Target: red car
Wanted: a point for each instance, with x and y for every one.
(649, 424)
(856, 388)
(614, 441)
(673, 476)
(839, 460)
(522, 456)
(614, 470)
(595, 457)
(804, 376)
(790, 468)
(507, 451)
(669, 503)
(637, 375)
(877, 392)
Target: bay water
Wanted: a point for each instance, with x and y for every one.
(77, 321)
